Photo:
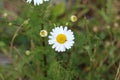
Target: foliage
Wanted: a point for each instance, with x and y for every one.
(94, 56)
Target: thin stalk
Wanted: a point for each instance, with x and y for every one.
(117, 76)
(44, 57)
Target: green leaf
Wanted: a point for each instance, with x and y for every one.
(58, 10)
(2, 44)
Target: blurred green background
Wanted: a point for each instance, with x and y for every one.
(25, 55)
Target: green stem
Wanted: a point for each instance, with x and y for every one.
(44, 56)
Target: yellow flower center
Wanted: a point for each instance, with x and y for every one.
(61, 38)
(43, 33)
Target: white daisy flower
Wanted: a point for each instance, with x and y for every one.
(29, 1)
(37, 2)
(61, 39)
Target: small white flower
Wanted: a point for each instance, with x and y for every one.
(73, 18)
(43, 33)
(10, 24)
(26, 21)
(37, 2)
(27, 52)
(61, 39)
(5, 14)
